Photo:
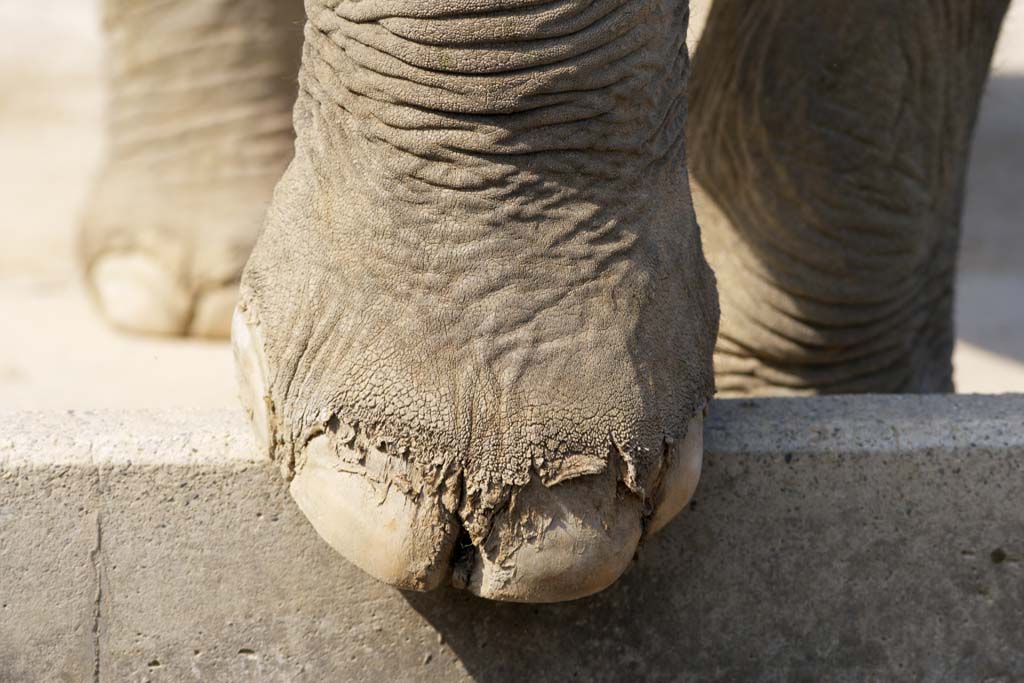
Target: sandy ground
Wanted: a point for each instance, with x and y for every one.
(55, 353)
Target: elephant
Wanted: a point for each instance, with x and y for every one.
(475, 321)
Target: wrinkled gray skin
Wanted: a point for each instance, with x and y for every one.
(829, 153)
(477, 330)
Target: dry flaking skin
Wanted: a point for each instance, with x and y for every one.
(200, 132)
(476, 332)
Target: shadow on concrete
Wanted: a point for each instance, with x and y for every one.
(646, 627)
(667, 619)
(649, 638)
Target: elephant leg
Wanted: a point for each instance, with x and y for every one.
(199, 122)
(477, 331)
(829, 146)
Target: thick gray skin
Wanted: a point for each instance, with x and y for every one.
(199, 133)
(480, 304)
(829, 146)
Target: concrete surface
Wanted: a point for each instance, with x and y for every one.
(832, 539)
(55, 354)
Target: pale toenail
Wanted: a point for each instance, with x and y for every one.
(251, 367)
(137, 295)
(679, 480)
(559, 543)
(404, 538)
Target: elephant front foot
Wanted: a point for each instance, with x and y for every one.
(477, 330)
(417, 516)
(167, 260)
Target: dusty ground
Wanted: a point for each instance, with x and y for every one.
(54, 353)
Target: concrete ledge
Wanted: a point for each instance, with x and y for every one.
(845, 538)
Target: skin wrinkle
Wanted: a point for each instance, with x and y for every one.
(847, 201)
(774, 381)
(467, 237)
(823, 339)
(848, 345)
(375, 10)
(474, 80)
(534, 104)
(817, 346)
(806, 293)
(480, 57)
(543, 22)
(802, 285)
(469, 122)
(825, 353)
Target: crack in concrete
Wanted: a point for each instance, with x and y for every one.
(96, 557)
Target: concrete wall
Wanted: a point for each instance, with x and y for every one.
(841, 539)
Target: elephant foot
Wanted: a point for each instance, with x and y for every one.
(137, 295)
(458, 426)
(169, 263)
(401, 518)
(476, 332)
(200, 131)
